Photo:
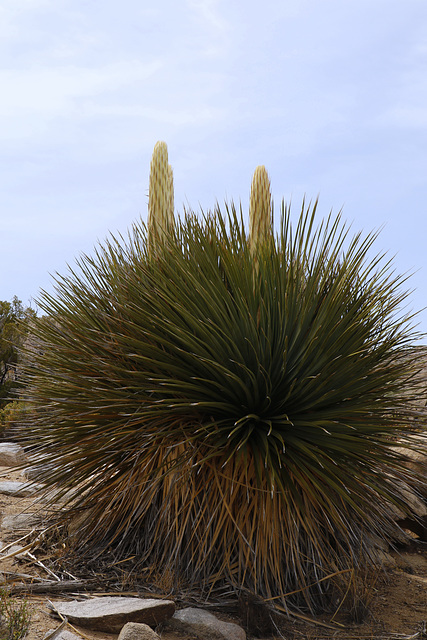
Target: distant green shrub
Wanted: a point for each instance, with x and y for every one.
(12, 415)
(15, 321)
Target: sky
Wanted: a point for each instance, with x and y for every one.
(329, 95)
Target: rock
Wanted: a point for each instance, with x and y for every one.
(415, 503)
(32, 473)
(137, 631)
(57, 496)
(417, 461)
(19, 489)
(61, 635)
(11, 454)
(205, 625)
(385, 559)
(20, 521)
(417, 528)
(14, 549)
(111, 613)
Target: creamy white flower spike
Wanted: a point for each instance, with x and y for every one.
(160, 196)
(259, 208)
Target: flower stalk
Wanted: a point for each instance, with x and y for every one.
(259, 210)
(160, 197)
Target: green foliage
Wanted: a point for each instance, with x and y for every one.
(226, 424)
(12, 414)
(15, 617)
(14, 323)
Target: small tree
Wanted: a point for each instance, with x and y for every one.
(14, 323)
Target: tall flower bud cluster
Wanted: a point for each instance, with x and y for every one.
(171, 203)
(160, 197)
(259, 209)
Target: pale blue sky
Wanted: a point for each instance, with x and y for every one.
(330, 95)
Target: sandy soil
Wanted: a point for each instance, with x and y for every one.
(396, 601)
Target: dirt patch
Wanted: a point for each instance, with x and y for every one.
(395, 603)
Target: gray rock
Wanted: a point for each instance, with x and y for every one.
(111, 613)
(416, 504)
(14, 549)
(32, 473)
(18, 489)
(205, 625)
(62, 634)
(137, 631)
(57, 496)
(417, 461)
(11, 454)
(385, 559)
(20, 522)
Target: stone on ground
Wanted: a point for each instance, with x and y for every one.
(32, 473)
(205, 625)
(14, 550)
(384, 559)
(22, 521)
(11, 454)
(111, 613)
(137, 631)
(63, 634)
(18, 489)
(417, 505)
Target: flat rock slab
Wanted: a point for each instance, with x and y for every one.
(18, 489)
(111, 613)
(205, 625)
(137, 631)
(21, 521)
(63, 634)
(11, 454)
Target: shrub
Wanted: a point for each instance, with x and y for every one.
(15, 617)
(11, 416)
(231, 420)
(15, 321)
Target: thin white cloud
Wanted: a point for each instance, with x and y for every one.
(50, 89)
(405, 117)
(177, 116)
(408, 108)
(213, 28)
(13, 13)
(209, 11)
(76, 68)
(32, 97)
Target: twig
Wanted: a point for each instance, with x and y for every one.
(11, 544)
(27, 535)
(299, 616)
(51, 587)
(421, 634)
(39, 563)
(13, 575)
(18, 552)
(70, 574)
(55, 632)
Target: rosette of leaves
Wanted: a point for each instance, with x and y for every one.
(225, 425)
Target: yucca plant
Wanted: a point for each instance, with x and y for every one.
(226, 425)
